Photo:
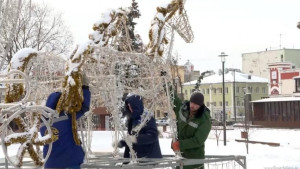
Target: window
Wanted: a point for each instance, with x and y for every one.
(297, 85)
(257, 90)
(264, 90)
(207, 90)
(266, 114)
(220, 104)
(226, 103)
(274, 74)
(250, 89)
(296, 116)
(238, 103)
(214, 90)
(237, 89)
(288, 112)
(203, 91)
(191, 91)
(207, 103)
(185, 92)
(220, 90)
(226, 90)
(284, 111)
(214, 103)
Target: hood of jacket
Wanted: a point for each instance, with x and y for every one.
(136, 103)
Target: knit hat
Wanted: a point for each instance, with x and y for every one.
(197, 98)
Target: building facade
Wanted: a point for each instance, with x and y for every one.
(283, 112)
(282, 109)
(211, 87)
(282, 79)
(189, 73)
(256, 63)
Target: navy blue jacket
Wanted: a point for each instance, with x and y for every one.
(65, 153)
(147, 145)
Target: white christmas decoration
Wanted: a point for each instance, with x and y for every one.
(113, 69)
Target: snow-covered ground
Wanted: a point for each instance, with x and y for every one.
(286, 156)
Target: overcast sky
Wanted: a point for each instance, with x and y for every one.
(230, 26)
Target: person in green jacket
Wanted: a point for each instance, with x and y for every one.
(193, 127)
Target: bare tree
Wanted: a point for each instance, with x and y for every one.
(217, 132)
(38, 27)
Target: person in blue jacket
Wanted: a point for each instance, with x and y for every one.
(65, 153)
(146, 144)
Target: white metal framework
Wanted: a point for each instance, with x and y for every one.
(111, 73)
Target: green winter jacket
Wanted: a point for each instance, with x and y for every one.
(192, 133)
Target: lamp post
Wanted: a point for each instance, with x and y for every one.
(223, 55)
(234, 102)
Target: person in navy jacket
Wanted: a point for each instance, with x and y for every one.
(146, 144)
(65, 153)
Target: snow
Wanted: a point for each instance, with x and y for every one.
(278, 99)
(105, 18)
(18, 58)
(154, 29)
(82, 48)
(160, 17)
(163, 5)
(259, 157)
(296, 77)
(97, 36)
(229, 77)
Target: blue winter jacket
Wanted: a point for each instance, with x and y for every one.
(65, 153)
(147, 145)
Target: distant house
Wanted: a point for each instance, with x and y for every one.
(211, 87)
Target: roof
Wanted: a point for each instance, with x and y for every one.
(277, 99)
(296, 77)
(284, 49)
(229, 77)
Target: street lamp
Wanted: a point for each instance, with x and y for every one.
(223, 55)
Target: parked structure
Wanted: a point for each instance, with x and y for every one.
(211, 87)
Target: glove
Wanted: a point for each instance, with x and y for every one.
(121, 144)
(132, 138)
(175, 146)
(85, 80)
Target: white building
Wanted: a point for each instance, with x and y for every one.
(256, 63)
